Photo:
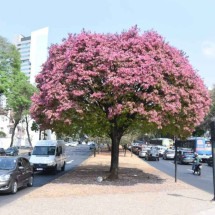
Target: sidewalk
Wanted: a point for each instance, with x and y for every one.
(141, 189)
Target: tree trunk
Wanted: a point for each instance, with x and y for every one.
(13, 132)
(27, 130)
(116, 135)
(40, 134)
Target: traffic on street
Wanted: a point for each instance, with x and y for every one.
(185, 173)
(74, 157)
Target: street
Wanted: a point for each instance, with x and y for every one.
(75, 156)
(184, 173)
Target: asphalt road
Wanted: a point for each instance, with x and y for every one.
(185, 173)
(75, 156)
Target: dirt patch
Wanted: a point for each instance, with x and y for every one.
(135, 175)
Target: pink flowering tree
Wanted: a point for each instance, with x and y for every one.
(111, 83)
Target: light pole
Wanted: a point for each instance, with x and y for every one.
(212, 126)
(176, 154)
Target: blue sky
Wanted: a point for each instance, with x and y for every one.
(188, 25)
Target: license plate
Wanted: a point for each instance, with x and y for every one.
(39, 169)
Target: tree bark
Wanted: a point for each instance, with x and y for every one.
(13, 132)
(27, 130)
(116, 135)
(40, 134)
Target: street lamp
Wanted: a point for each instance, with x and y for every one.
(212, 126)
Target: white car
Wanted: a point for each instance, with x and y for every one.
(142, 153)
(72, 144)
(161, 150)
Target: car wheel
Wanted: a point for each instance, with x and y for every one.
(30, 181)
(55, 170)
(63, 167)
(14, 187)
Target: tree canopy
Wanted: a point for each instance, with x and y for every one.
(9, 62)
(109, 83)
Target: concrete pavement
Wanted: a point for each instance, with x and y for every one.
(141, 189)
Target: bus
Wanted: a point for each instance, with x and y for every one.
(168, 143)
(199, 145)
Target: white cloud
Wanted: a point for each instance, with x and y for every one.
(208, 49)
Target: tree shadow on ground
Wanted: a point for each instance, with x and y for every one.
(88, 175)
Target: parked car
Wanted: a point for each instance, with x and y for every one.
(15, 172)
(168, 154)
(185, 156)
(2, 152)
(152, 154)
(72, 144)
(210, 161)
(12, 151)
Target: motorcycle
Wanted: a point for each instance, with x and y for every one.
(197, 169)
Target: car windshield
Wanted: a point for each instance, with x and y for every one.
(7, 163)
(44, 150)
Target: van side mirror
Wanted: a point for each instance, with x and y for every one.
(29, 153)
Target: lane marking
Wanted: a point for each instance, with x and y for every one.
(171, 162)
(69, 161)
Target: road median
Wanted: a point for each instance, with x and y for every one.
(140, 187)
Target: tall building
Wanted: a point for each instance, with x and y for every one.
(34, 51)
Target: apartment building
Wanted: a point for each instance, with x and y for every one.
(34, 51)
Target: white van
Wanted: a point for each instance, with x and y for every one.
(48, 155)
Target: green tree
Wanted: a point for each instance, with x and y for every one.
(19, 99)
(9, 63)
(205, 125)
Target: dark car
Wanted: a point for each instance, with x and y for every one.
(210, 161)
(2, 152)
(185, 157)
(152, 154)
(15, 172)
(12, 151)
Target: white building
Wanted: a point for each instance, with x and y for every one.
(34, 52)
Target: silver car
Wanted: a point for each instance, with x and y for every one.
(169, 154)
(142, 153)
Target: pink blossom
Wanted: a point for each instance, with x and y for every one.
(128, 74)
